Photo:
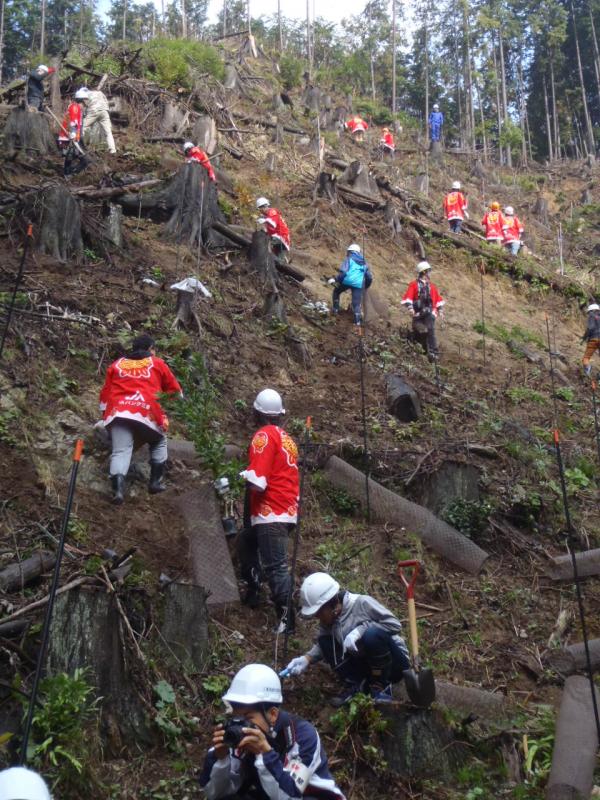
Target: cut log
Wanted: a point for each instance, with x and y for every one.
(402, 399)
(386, 506)
(185, 626)
(588, 563)
(28, 132)
(572, 658)
(491, 707)
(15, 577)
(204, 134)
(88, 631)
(57, 222)
(269, 124)
(575, 743)
(15, 628)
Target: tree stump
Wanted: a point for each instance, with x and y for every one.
(390, 215)
(326, 186)
(28, 132)
(540, 209)
(478, 171)
(402, 399)
(113, 224)
(173, 119)
(586, 197)
(185, 312)
(312, 100)
(88, 631)
(422, 183)
(57, 223)
(420, 743)
(231, 81)
(437, 151)
(277, 104)
(271, 162)
(326, 102)
(192, 199)
(277, 134)
(204, 134)
(185, 625)
(357, 176)
(262, 262)
(451, 481)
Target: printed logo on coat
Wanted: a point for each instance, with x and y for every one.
(264, 510)
(259, 442)
(289, 448)
(134, 368)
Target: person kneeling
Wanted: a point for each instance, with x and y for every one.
(263, 752)
(359, 639)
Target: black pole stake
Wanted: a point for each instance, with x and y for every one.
(481, 271)
(11, 305)
(363, 403)
(596, 428)
(51, 598)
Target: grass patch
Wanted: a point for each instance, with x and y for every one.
(502, 334)
(178, 62)
(522, 394)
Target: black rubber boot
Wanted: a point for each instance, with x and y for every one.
(157, 470)
(118, 487)
(252, 596)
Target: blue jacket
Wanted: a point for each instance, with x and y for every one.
(296, 767)
(354, 271)
(436, 119)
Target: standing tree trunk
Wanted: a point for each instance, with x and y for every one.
(482, 117)
(504, 100)
(184, 20)
(308, 47)
(522, 113)
(589, 131)
(280, 26)
(596, 52)
(393, 56)
(124, 29)
(426, 43)
(469, 79)
(548, 127)
(248, 16)
(498, 104)
(43, 30)
(2, 39)
(224, 17)
(554, 112)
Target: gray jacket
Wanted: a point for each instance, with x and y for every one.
(358, 611)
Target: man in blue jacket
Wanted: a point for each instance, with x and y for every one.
(354, 274)
(269, 754)
(436, 121)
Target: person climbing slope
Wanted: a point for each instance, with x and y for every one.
(35, 86)
(386, 142)
(264, 752)
(425, 304)
(357, 127)
(493, 223)
(274, 226)
(591, 336)
(512, 230)
(70, 137)
(194, 153)
(271, 507)
(96, 111)
(358, 637)
(354, 274)
(455, 207)
(436, 123)
(132, 412)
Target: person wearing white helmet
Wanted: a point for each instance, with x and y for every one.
(193, 154)
(591, 336)
(359, 638)
(35, 87)
(353, 274)
(425, 304)
(70, 136)
(96, 113)
(512, 230)
(20, 783)
(436, 122)
(263, 752)
(271, 507)
(274, 226)
(455, 207)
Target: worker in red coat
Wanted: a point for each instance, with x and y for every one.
(193, 153)
(425, 304)
(357, 126)
(70, 137)
(386, 142)
(132, 413)
(493, 222)
(512, 230)
(274, 226)
(455, 207)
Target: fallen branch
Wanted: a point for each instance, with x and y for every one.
(267, 124)
(114, 191)
(83, 579)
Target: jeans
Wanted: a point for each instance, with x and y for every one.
(263, 549)
(513, 247)
(424, 330)
(380, 657)
(36, 101)
(357, 294)
(455, 225)
(124, 433)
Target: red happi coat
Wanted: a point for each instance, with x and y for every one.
(356, 124)
(273, 469)
(73, 121)
(198, 154)
(388, 140)
(276, 226)
(455, 205)
(412, 295)
(512, 230)
(131, 388)
(493, 222)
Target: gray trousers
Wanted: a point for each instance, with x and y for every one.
(266, 546)
(124, 434)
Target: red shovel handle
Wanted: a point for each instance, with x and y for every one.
(410, 585)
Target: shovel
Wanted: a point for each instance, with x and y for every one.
(420, 685)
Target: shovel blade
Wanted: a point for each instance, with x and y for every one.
(420, 687)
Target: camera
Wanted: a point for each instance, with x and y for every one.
(234, 731)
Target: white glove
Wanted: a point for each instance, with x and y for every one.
(297, 665)
(351, 641)
(72, 135)
(467, 215)
(331, 281)
(261, 220)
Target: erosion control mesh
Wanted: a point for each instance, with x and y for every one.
(386, 506)
(572, 659)
(588, 563)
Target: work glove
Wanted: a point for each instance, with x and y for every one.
(72, 135)
(261, 220)
(332, 281)
(467, 215)
(165, 424)
(351, 641)
(297, 666)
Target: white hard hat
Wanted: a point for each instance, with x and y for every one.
(81, 94)
(43, 68)
(436, 107)
(269, 402)
(187, 146)
(509, 210)
(19, 783)
(262, 201)
(254, 684)
(593, 307)
(423, 266)
(353, 248)
(316, 590)
(456, 185)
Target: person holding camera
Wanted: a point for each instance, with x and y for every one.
(263, 752)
